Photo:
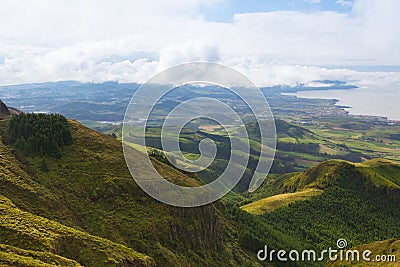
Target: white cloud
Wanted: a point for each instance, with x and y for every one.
(88, 63)
(344, 3)
(274, 73)
(189, 51)
(76, 62)
(99, 40)
(313, 1)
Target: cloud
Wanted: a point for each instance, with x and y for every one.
(189, 51)
(116, 60)
(297, 37)
(100, 62)
(49, 40)
(274, 73)
(313, 1)
(344, 3)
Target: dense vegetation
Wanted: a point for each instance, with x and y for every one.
(39, 134)
(359, 217)
(310, 148)
(91, 191)
(31, 240)
(48, 208)
(359, 203)
(297, 149)
(381, 248)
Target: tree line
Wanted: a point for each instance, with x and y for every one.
(39, 134)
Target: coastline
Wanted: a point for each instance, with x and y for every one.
(359, 102)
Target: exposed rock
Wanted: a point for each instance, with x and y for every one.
(6, 112)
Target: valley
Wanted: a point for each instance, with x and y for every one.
(74, 203)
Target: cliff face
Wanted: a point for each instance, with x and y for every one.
(4, 112)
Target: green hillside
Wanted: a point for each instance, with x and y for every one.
(269, 204)
(297, 148)
(12, 256)
(386, 248)
(359, 202)
(376, 173)
(82, 208)
(85, 208)
(31, 236)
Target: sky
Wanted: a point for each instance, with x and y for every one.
(274, 42)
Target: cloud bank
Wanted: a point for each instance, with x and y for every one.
(129, 41)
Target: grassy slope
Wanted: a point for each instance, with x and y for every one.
(380, 173)
(359, 203)
(374, 174)
(385, 247)
(91, 189)
(36, 236)
(31, 240)
(12, 256)
(370, 139)
(270, 204)
(273, 185)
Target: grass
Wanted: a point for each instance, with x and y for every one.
(385, 247)
(287, 139)
(359, 202)
(273, 185)
(90, 190)
(36, 237)
(382, 172)
(270, 204)
(87, 208)
(359, 215)
(334, 140)
(12, 256)
(373, 141)
(379, 172)
(137, 147)
(328, 150)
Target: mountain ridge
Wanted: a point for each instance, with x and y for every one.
(374, 175)
(91, 190)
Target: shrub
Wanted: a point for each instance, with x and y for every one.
(39, 134)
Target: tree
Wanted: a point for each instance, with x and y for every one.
(43, 166)
(21, 145)
(40, 134)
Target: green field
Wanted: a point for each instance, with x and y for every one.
(270, 204)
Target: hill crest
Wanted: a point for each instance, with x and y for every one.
(377, 173)
(90, 189)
